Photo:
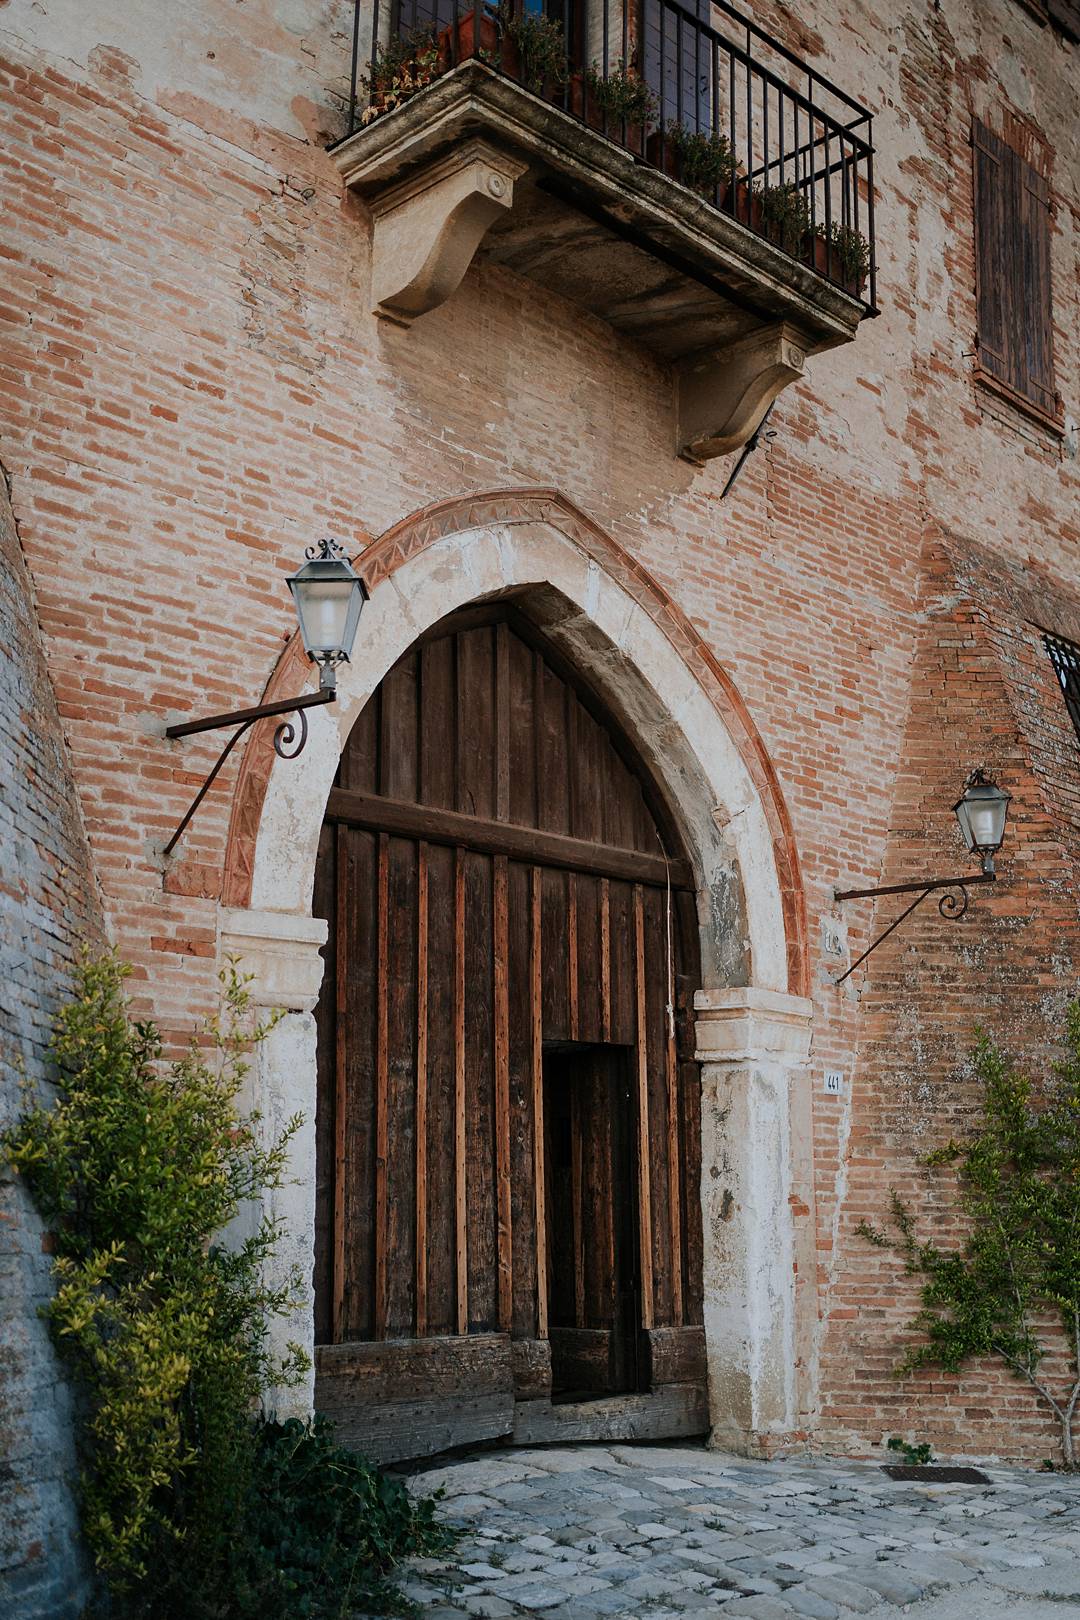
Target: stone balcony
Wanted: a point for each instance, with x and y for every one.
(732, 284)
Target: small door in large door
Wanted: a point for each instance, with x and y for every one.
(593, 1274)
(510, 916)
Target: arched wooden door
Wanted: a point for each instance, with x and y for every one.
(508, 1234)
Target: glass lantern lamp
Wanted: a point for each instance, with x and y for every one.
(981, 811)
(329, 596)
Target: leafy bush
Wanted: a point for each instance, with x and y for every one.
(622, 94)
(541, 46)
(138, 1168)
(853, 252)
(912, 1456)
(404, 65)
(786, 214)
(705, 158)
(1018, 1266)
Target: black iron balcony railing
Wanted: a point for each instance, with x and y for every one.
(732, 114)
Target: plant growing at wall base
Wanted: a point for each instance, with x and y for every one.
(1018, 1264)
(138, 1167)
(911, 1456)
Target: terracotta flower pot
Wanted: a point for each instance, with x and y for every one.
(825, 259)
(662, 152)
(747, 208)
(583, 104)
(496, 47)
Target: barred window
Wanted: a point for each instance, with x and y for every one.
(1065, 657)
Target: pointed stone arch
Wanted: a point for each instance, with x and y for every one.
(686, 718)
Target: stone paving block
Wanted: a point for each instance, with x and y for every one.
(758, 1608)
(846, 1593)
(890, 1584)
(805, 1602)
(487, 1607)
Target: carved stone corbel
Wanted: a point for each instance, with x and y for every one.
(722, 396)
(427, 229)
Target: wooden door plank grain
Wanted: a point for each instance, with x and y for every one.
(382, 1075)
(490, 837)
(421, 1086)
(342, 930)
(645, 1258)
(461, 1248)
(536, 998)
(504, 1232)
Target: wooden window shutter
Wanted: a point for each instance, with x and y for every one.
(1012, 255)
(1065, 14)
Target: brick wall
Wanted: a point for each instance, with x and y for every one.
(48, 905)
(192, 388)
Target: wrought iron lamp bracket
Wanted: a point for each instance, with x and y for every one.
(952, 902)
(290, 737)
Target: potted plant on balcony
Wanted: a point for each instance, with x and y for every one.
(401, 67)
(612, 99)
(842, 254)
(701, 159)
(540, 46)
(785, 215)
(458, 40)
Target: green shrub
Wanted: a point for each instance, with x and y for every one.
(705, 157)
(853, 251)
(138, 1168)
(1018, 1264)
(622, 94)
(786, 214)
(541, 46)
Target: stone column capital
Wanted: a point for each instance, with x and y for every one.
(746, 1024)
(280, 949)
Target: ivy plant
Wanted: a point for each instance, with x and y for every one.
(1016, 1271)
(139, 1166)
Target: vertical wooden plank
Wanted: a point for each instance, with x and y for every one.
(382, 1074)
(421, 1087)
(537, 1008)
(674, 1178)
(572, 957)
(460, 1214)
(644, 1178)
(502, 723)
(522, 1196)
(504, 1230)
(324, 904)
(341, 1024)
(577, 1205)
(605, 959)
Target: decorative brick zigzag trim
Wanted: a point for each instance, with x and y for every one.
(422, 529)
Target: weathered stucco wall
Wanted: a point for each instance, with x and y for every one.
(48, 906)
(193, 390)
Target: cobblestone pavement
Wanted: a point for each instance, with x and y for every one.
(575, 1533)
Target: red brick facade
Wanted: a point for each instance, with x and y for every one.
(192, 389)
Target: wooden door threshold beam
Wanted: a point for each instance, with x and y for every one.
(527, 844)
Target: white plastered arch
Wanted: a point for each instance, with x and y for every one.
(753, 1035)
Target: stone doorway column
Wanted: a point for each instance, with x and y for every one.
(281, 952)
(753, 1046)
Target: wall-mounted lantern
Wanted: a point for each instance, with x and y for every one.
(329, 595)
(981, 811)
